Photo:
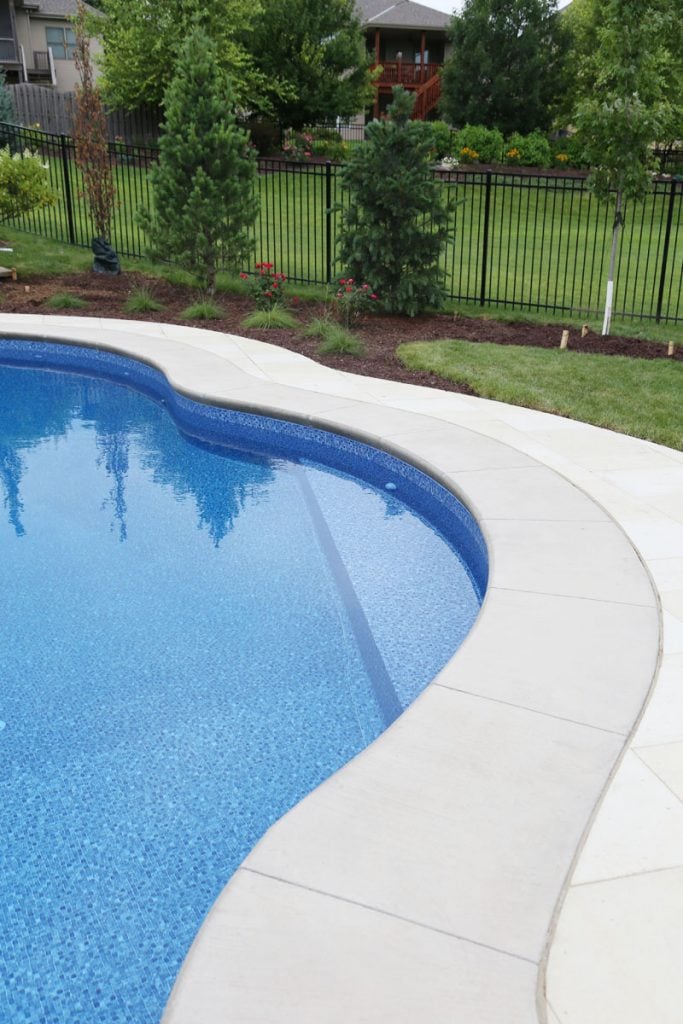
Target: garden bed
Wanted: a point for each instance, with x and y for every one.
(380, 334)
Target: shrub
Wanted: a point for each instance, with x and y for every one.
(487, 143)
(573, 147)
(331, 149)
(23, 183)
(351, 301)
(394, 225)
(532, 150)
(266, 287)
(441, 137)
(298, 146)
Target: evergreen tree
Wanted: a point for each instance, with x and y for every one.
(506, 69)
(7, 114)
(395, 225)
(204, 186)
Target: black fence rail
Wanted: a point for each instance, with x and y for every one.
(516, 240)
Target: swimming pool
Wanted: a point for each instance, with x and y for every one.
(169, 605)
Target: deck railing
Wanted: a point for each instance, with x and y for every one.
(405, 72)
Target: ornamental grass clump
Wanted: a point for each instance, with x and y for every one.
(394, 226)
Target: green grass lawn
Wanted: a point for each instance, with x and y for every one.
(548, 241)
(634, 396)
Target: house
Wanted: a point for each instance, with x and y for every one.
(37, 42)
(408, 41)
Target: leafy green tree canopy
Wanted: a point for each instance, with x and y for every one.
(394, 227)
(506, 69)
(626, 111)
(142, 42)
(312, 55)
(628, 49)
(204, 194)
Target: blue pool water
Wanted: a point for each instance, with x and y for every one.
(202, 616)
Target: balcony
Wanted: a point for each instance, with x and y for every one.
(407, 73)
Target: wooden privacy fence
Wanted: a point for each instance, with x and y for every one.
(516, 241)
(53, 112)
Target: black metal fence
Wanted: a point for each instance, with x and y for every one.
(516, 240)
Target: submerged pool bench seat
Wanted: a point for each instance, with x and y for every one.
(421, 881)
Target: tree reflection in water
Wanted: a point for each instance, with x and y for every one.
(38, 406)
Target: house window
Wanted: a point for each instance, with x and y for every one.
(62, 42)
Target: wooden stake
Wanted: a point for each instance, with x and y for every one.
(584, 330)
(671, 349)
(565, 339)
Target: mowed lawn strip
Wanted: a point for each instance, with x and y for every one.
(640, 397)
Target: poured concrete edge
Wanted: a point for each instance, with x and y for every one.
(422, 881)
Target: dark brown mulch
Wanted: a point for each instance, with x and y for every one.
(105, 297)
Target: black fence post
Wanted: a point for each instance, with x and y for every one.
(485, 240)
(328, 221)
(67, 189)
(665, 253)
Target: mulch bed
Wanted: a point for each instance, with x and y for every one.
(105, 297)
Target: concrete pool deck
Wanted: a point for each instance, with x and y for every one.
(511, 849)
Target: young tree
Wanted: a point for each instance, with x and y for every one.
(142, 42)
(506, 69)
(204, 186)
(626, 112)
(92, 150)
(312, 52)
(585, 20)
(394, 227)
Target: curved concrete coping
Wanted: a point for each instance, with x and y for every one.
(421, 882)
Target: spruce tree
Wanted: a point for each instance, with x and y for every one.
(395, 225)
(204, 186)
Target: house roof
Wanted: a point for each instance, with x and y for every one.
(55, 8)
(400, 14)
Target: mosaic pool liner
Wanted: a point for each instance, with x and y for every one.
(159, 948)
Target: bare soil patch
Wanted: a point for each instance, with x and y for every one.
(381, 334)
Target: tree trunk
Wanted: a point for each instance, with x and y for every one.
(618, 221)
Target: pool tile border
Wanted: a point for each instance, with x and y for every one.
(428, 872)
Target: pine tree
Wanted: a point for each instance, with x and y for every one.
(204, 194)
(395, 225)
